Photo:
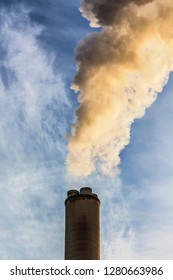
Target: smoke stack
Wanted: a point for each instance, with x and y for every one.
(82, 225)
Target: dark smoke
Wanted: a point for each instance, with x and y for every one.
(106, 11)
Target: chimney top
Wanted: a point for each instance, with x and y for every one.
(72, 192)
(84, 192)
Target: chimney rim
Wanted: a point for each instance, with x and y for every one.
(74, 194)
(86, 190)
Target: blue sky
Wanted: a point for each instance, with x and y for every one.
(37, 109)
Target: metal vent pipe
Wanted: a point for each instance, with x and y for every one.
(82, 225)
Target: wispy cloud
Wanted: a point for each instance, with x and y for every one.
(32, 142)
(150, 195)
(118, 235)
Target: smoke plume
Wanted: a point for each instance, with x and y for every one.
(120, 70)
